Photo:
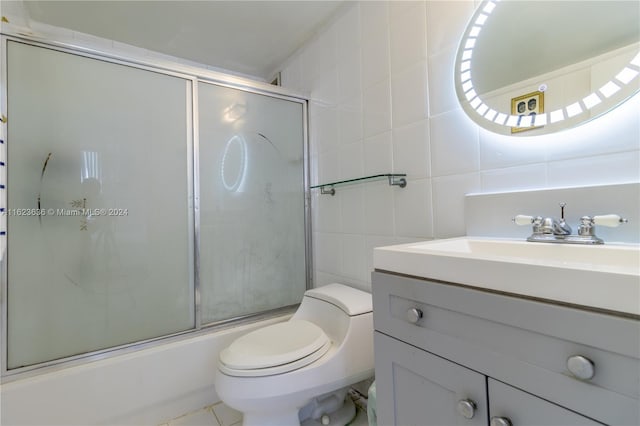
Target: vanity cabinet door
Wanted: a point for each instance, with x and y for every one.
(511, 406)
(417, 388)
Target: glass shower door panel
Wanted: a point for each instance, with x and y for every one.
(103, 150)
(252, 239)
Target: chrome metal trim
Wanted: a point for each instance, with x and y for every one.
(250, 318)
(197, 298)
(195, 76)
(3, 221)
(166, 66)
(5, 40)
(192, 147)
(257, 90)
(307, 197)
(105, 58)
(305, 173)
(102, 354)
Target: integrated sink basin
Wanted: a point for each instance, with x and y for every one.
(605, 277)
(613, 258)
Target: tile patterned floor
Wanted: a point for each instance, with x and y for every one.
(214, 415)
(222, 415)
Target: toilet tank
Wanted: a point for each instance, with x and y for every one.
(331, 307)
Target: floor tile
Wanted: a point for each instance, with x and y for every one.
(202, 417)
(226, 415)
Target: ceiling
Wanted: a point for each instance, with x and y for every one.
(247, 37)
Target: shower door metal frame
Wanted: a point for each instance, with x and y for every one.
(194, 75)
(308, 232)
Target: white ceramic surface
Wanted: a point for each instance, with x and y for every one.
(603, 277)
(276, 399)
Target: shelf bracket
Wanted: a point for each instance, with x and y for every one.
(399, 181)
(331, 191)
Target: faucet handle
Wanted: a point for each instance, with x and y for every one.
(587, 225)
(523, 220)
(562, 206)
(610, 220)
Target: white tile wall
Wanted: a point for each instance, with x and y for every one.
(489, 214)
(328, 256)
(413, 216)
(446, 20)
(378, 154)
(379, 208)
(352, 209)
(454, 144)
(448, 203)
(411, 150)
(376, 108)
(351, 161)
(350, 119)
(513, 178)
(375, 45)
(442, 94)
(407, 24)
(601, 169)
(382, 76)
(354, 260)
(409, 94)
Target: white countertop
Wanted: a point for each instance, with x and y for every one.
(603, 277)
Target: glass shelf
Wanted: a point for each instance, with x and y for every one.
(394, 179)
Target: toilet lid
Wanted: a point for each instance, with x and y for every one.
(274, 345)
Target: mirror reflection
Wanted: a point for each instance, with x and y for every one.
(532, 67)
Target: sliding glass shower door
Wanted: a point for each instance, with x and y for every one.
(136, 212)
(100, 240)
(252, 212)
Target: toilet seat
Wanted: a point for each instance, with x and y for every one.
(276, 349)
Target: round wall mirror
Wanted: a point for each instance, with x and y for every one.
(527, 68)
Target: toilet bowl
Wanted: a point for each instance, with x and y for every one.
(271, 373)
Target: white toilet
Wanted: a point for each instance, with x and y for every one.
(299, 370)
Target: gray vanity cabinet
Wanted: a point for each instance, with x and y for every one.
(418, 388)
(508, 404)
(445, 352)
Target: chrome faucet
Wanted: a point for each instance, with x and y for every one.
(550, 230)
(560, 227)
(587, 228)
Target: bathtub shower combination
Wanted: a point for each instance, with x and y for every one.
(141, 203)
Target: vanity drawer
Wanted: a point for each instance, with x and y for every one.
(523, 342)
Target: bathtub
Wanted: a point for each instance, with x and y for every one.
(145, 387)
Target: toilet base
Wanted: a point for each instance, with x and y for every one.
(340, 412)
(340, 416)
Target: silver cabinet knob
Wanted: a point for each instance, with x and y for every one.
(500, 421)
(466, 408)
(414, 315)
(581, 367)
